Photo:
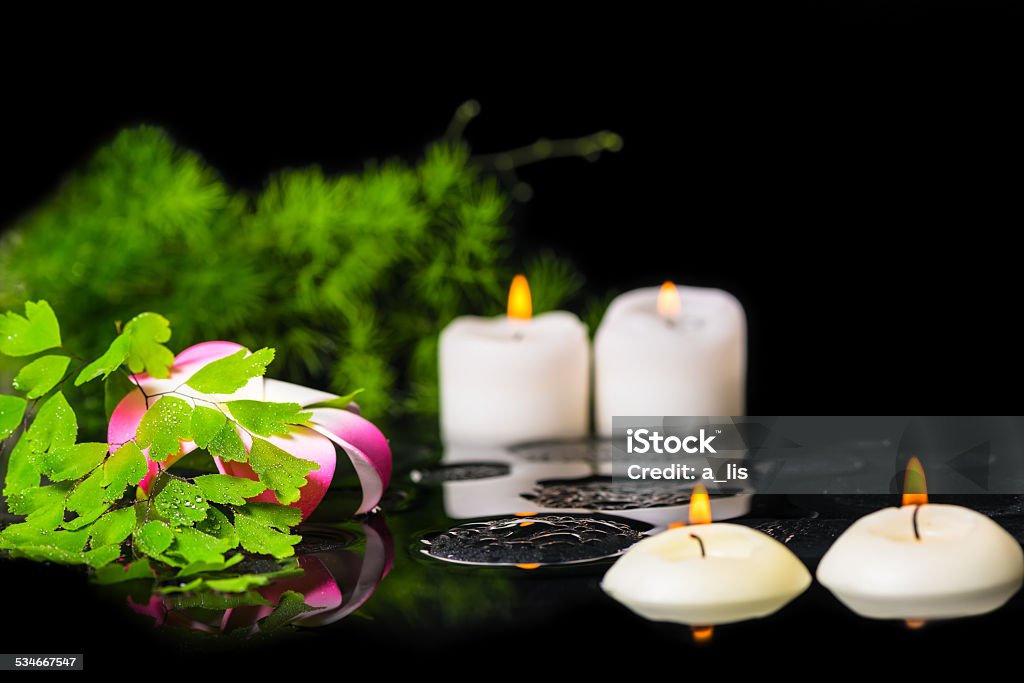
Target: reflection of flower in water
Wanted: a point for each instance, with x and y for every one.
(333, 584)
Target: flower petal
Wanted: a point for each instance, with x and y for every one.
(319, 589)
(124, 423)
(206, 352)
(189, 362)
(365, 446)
(125, 420)
(286, 392)
(363, 575)
(362, 442)
(156, 608)
(301, 442)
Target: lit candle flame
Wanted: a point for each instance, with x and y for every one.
(700, 505)
(915, 489)
(702, 634)
(915, 624)
(668, 301)
(520, 304)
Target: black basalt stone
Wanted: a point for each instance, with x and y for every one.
(538, 539)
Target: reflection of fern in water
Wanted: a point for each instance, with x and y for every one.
(351, 277)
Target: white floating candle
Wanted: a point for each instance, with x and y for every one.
(923, 561)
(514, 378)
(706, 574)
(670, 351)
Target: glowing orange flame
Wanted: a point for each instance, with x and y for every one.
(526, 523)
(702, 634)
(700, 505)
(520, 304)
(915, 624)
(915, 489)
(529, 565)
(668, 301)
(525, 514)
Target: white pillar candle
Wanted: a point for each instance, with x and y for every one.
(958, 563)
(706, 574)
(514, 378)
(670, 351)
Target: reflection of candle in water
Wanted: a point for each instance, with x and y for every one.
(514, 378)
(923, 561)
(702, 634)
(705, 574)
(670, 351)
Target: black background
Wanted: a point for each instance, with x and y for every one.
(853, 175)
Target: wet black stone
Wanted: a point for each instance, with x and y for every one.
(543, 539)
(468, 471)
(588, 450)
(605, 493)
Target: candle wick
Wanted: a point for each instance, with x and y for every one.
(917, 533)
(698, 539)
(670, 322)
(517, 335)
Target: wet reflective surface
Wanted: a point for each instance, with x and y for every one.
(461, 472)
(377, 597)
(336, 570)
(604, 493)
(562, 476)
(593, 451)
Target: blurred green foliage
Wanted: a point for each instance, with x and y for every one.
(350, 277)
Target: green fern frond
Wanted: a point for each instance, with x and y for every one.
(553, 281)
(308, 265)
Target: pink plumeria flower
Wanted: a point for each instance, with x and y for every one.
(315, 440)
